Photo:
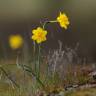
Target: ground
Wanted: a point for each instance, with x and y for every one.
(8, 89)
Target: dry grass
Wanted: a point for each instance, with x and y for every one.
(86, 92)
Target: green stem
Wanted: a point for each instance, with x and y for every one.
(53, 21)
(34, 49)
(38, 66)
(46, 22)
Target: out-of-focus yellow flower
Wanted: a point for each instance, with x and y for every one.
(63, 20)
(15, 41)
(39, 35)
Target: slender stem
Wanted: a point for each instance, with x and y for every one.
(17, 61)
(34, 49)
(53, 21)
(38, 66)
(46, 22)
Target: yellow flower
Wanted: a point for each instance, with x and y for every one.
(15, 41)
(39, 35)
(62, 19)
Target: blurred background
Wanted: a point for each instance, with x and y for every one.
(21, 16)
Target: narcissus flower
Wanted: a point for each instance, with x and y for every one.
(62, 19)
(15, 41)
(39, 35)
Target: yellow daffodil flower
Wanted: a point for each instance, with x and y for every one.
(39, 35)
(15, 41)
(62, 19)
